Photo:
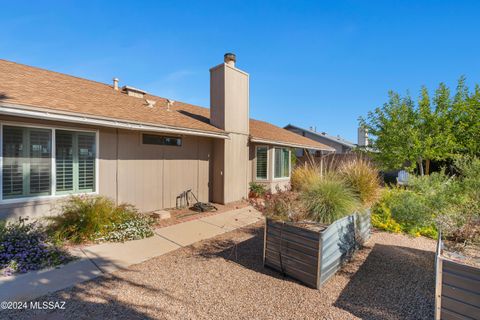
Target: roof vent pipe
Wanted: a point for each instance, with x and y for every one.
(230, 59)
(169, 104)
(115, 84)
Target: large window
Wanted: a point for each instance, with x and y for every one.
(262, 163)
(33, 166)
(282, 163)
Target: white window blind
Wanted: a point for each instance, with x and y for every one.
(262, 162)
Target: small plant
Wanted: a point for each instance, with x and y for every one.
(86, 218)
(360, 175)
(257, 190)
(329, 199)
(25, 247)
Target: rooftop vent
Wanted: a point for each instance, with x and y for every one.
(150, 103)
(170, 104)
(134, 92)
(115, 84)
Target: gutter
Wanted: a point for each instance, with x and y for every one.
(23, 111)
(287, 144)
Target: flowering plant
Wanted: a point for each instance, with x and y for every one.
(25, 247)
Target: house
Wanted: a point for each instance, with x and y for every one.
(63, 135)
(338, 143)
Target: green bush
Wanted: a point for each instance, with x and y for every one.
(329, 199)
(451, 202)
(97, 218)
(257, 190)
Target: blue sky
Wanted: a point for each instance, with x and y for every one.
(311, 63)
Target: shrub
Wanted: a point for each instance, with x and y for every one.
(257, 190)
(360, 175)
(328, 200)
(303, 177)
(98, 218)
(26, 246)
(401, 210)
(284, 205)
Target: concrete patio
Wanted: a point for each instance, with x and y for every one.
(108, 257)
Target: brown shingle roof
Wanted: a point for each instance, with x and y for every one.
(30, 86)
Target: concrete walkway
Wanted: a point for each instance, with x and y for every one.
(108, 257)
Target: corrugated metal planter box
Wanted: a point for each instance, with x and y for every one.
(312, 257)
(457, 289)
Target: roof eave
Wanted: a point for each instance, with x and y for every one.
(48, 114)
(289, 144)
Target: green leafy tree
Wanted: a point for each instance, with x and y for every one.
(409, 135)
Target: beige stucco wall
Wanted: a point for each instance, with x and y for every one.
(271, 183)
(149, 176)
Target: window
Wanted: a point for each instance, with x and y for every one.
(161, 140)
(33, 166)
(75, 161)
(282, 163)
(262, 162)
(26, 167)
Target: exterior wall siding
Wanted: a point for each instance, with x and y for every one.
(149, 177)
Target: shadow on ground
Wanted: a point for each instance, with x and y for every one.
(393, 282)
(248, 253)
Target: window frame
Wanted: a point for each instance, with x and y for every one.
(53, 177)
(162, 137)
(289, 163)
(268, 162)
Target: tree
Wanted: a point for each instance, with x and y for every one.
(406, 135)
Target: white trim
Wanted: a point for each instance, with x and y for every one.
(256, 159)
(53, 182)
(289, 164)
(287, 144)
(24, 111)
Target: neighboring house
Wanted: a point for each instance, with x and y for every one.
(340, 145)
(64, 135)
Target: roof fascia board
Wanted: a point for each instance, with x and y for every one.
(330, 138)
(20, 110)
(287, 144)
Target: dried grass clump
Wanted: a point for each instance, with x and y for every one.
(362, 177)
(305, 176)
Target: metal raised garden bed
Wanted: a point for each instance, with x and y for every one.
(457, 288)
(310, 256)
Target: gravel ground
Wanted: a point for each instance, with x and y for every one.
(223, 278)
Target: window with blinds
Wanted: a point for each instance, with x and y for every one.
(262, 163)
(28, 154)
(282, 163)
(26, 169)
(75, 161)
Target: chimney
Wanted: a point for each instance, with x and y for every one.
(229, 96)
(362, 137)
(230, 59)
(115, 84)
(229, 110)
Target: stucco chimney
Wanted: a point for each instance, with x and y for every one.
(229, 110)
(115, 84)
